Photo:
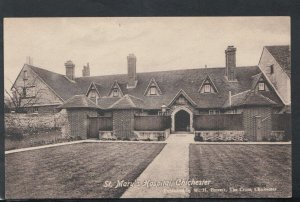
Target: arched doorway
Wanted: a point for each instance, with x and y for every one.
(182, 121)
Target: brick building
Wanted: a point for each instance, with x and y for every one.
(153, 104)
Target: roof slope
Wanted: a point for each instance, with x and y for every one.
(128, 102)
(59, 83)
(248, 98)
(282, 55)
(170, 83)
(78, 101)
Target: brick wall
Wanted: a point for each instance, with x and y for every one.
(265, 125)
(78, 121)
(123, 123)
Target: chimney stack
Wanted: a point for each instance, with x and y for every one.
(70, 70)
(230, 63)
(229, 98)
(86, 70)
(131, 64)
(29, 60)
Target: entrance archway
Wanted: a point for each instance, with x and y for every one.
(182, 119)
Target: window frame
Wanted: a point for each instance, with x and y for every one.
(261, 86)
(25, 75)
(93, 93)
(207, 85)
(272, 69)
(115, 92)
(152, 90)
(214, 111)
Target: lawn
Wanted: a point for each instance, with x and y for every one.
(240, 167)
(76, 171)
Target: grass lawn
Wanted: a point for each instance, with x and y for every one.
(76, 171)
(241, 166)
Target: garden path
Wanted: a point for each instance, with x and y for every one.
(169, 167)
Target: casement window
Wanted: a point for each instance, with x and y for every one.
(115, 92)
(261, 86)
(207, 88)
(213, 111)
(24, 92)
(181, 100)
(152, 90)
(233, 111)
(271, 69)
(93, 94)
(25, 75)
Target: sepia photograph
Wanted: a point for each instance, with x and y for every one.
(147, 107)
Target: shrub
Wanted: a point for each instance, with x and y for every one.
(198, 138)
(14, 133)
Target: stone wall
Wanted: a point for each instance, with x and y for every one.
(34, 121)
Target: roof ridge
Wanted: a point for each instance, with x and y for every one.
(241, 92)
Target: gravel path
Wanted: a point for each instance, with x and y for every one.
(170, 167)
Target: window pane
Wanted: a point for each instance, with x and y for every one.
(207, 88)
(261, 86)
(152, 91)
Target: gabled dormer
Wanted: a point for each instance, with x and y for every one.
(115, 90)
(260, 83)
(93, 91)
(152, 89)
(208, 86)
(182, 98)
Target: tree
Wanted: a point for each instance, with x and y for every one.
(25, 96)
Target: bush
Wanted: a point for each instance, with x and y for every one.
(14, 133)
(198, 138)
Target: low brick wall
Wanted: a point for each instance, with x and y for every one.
(221, 136)
(107, 135)
(276, 136)
(152, 135)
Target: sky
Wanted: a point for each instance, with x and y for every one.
(159, 43)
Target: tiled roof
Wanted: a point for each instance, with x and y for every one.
(170, 83)
(249, 98)
(78, 101)
(282, 55)
(128, 102)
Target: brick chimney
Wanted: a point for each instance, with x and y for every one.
(70, 70)
(86, 70)
(230, 63)
(131, 64)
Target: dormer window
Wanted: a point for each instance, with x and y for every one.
(25, 75)
(207, 88)
(261, 86)
(152, 90)
(93, 94)
(115, 92)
